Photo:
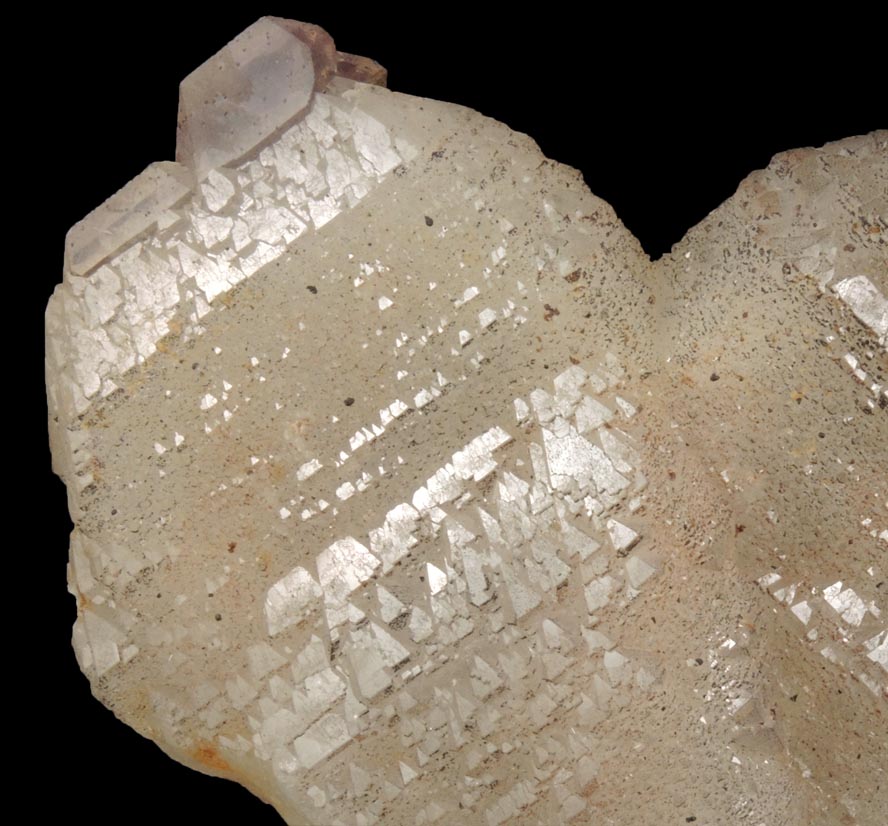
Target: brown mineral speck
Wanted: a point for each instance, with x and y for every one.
(207, 755)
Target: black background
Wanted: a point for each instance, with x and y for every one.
(663, 128)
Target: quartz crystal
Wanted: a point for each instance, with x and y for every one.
(408, 490)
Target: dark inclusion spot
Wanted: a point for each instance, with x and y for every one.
(349, 401)
(428, 221)
(312, 289)
(399, 622)
(714, 377)
(218, 617)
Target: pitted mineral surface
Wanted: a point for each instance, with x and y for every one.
(407, 489)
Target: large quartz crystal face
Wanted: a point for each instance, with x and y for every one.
(408, 490)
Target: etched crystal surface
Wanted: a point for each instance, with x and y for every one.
(407, 489)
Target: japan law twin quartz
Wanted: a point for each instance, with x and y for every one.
(408, 490)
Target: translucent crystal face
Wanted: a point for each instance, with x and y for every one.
(407, 489)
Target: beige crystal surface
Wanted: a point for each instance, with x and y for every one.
(408, 490)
